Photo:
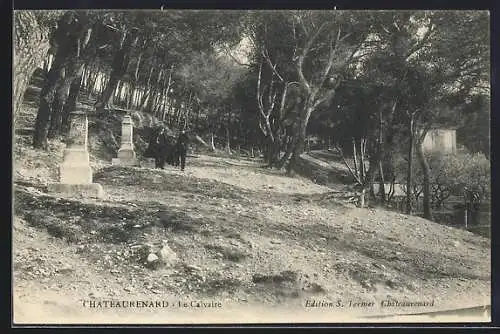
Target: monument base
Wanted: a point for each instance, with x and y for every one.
(123, 162)
(75, 168)
(126, 157)
(90, 190)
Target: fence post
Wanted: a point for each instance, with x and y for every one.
(465, 217)
(465, 208)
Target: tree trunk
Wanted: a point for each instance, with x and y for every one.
(47, 63)
(144, 97)
(300, 137)
(362, 170)
(119, 67)
(369, 177)
(102, 81)
(94, 74)
(31, 44)
(89, 82)
(85, 76)
(167, 91)
(146, 91)
(133, 82)
(284, 159)
(212, 142)
(71, 35)
(228, 143)
(276, 153)
(426, 173)
(94, 84)
(130, 95)
(150, 107)
(409, 176)
(116, 93)
(180, 110)
(170, 111)
(57, 107)
(154, 92)
(70, 104)
(135, 98)
(121, 91)
(355, 159)
(164, 110)
(107, 93)
(381, 155)
(73, 71)
(160, 100)
(270, 153)
(390, 195)
(362, 196)
(381, 182)
(42, 121)
(188, 111)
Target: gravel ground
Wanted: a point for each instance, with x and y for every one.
(243, 236)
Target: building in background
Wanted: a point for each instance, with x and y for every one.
(443, 140)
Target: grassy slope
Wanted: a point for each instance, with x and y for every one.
(244, 235)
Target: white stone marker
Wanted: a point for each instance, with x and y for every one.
(126, 154)
(75, 174)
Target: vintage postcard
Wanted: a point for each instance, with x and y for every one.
(251, 166)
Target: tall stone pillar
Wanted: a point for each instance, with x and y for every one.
(75, 174)
(126, 154)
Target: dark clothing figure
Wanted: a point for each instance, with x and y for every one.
(473, 206)
(165, 148)
(181, 148)
(160, 143)
(473, 200)
(152, 149)
(168, 153)
(160, 148)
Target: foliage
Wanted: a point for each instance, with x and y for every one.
(474, 133)
(338, 74)
(211, 77)
(452, 173)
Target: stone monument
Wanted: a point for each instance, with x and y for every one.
(126, 154)
(75, 174)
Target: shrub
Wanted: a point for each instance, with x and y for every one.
(451, 173)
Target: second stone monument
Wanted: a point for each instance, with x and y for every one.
(126, 154)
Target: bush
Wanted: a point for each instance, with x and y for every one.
(451, 173)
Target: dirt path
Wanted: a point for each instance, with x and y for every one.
(258, 242)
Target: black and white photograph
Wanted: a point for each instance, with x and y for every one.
(211, 166)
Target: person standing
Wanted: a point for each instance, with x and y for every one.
(182, 145)
(161, 144)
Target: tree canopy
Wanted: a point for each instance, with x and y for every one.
(371, 82)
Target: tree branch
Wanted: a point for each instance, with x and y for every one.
(356, 177)
(303, 55)
(419, 45)
(86, 39)
(265, 54)
(237, 61)
(333, 48)
(259, 94)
